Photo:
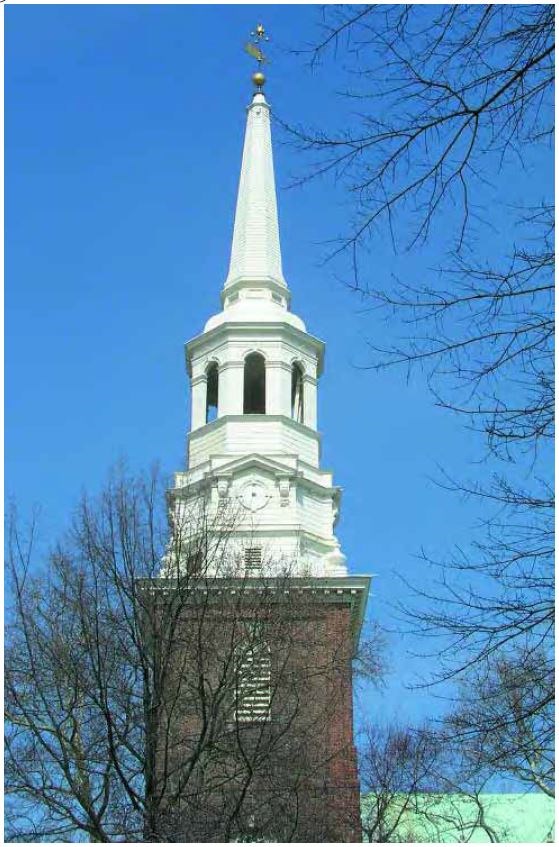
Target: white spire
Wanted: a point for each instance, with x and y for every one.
(255, 254)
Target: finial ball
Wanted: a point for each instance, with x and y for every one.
(258, 79)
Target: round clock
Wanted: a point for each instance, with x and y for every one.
(253, 496)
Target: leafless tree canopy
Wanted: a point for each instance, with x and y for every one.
(504, 721)
(447, 95)
(139, 707)
(450, 102)
(396, 764)
(414, 783)
(439, 91)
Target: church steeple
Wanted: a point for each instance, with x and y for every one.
(256, 253)
(254, 517)
(254, 373)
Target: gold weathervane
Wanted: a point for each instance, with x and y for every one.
(253, 48)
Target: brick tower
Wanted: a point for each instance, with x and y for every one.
(286, 767)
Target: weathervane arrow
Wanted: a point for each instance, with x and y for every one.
(253, 49)
(255, 52)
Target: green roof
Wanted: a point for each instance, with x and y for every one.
(447, 818)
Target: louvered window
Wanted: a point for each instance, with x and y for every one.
(253, 681)
(253, 558)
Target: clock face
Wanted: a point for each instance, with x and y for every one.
(254, 496)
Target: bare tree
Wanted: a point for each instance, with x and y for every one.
(396, 765)
(504, 721)
(448, 99)
(440, 91)
(416, 789)
(156, 691)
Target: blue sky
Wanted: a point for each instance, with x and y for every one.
(124, 131)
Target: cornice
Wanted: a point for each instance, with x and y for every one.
(220, 423)
(253, 328)
(343, 590)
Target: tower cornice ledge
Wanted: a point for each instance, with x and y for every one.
(266, 329)
(352, 590)
(250, 419)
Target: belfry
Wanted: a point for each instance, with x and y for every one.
(254, 455)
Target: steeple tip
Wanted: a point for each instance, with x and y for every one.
(255, 254)
(254, 49)
(258, 79)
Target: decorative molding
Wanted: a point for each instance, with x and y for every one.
(249, 350)
(200, 379)
(284, 485)
(298, 360)
(222, 488)
(280, 364)
(311, 346)
(211, 360)
(232, 364)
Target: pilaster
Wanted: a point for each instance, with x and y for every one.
(198, 416)
(310, 401)
(231, 388)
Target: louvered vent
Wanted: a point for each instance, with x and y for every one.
(253, 558)
(253, 688)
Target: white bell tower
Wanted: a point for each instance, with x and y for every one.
(254, 371)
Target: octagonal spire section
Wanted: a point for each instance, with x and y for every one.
(255, 255)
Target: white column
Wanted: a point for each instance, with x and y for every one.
(285, 389)
(231, 375)
(310, 401)
(198, 401)
(278, 388)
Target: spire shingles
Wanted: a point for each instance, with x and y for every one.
(255, 254)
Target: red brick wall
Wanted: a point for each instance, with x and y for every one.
(343, 778)
(305, 786)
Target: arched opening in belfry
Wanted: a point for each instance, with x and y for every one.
(297, 396)
(212, 392)
(254, 402)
